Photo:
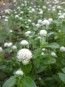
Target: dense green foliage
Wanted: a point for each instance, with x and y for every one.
(47, 66)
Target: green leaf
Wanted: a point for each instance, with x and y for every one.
(53, 45)
(62, 77)
(26, 68)
(49, 60)
(2, 75)
(28, 82)
(10, 82)
(63, 69)
(52, 34)
(41, 68)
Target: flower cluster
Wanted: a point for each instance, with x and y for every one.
(24, 55)
(32, 42)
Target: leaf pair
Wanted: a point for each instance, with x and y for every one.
(26, 82)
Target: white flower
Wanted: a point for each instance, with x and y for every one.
(46, 22)
(50, 20)
(59, 13)
(6, 20)
(27, 26)
(14, 47)
(19, 72)
(14, 0)
(5, 44)
(26, 61)
(9, 44)
(41, 12)
(1, 49)
(58, 7)
(10, 31)
(44, 7)
(64, 14)
(24, 54)
(21, 12)
(29, 20)
(33, 10)
(20, 18)
(39, 37)
(43, 32)
(24, 42)
(40, 21)
(18, 8)
(42, 53)
(27, 33)
(61, 16)
(53, 54)
(33, 24)
(63, 3)
(38, 25)
(53, 9)
(7, 11)
(16, 16)
(43, 49)
(62, 49)
(4, 4)
(22, 4)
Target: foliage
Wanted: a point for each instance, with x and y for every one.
(24, 21)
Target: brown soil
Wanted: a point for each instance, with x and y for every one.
(4, 5)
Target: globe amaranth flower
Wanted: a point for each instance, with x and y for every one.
(43, 32)
(14, 47)
(46, 22)
(27, 33)
(39, 21)
(62, 49)
(8, 44)
(24, 42)
(53, 54)
(50, 20)
(42, 53)
(24, 55)
(26, 61)
(7, 11)
(19, 72)
(1, 49)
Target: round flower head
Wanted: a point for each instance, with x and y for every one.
(14, 47)
(24, 54)
(10, 31)
(1, 49)
(53, 54)
(46, 22)
(40, 21)
(16, 16)
(19, 72)
(8, 44)
(62, 49)
(6, 20)
(5, 44)
(50, 20)
(26, 61)
(42, 53)
(43, 49)
(38, 25)
(24, 42)
(27, 33)
(43, 32)
(7, 11)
